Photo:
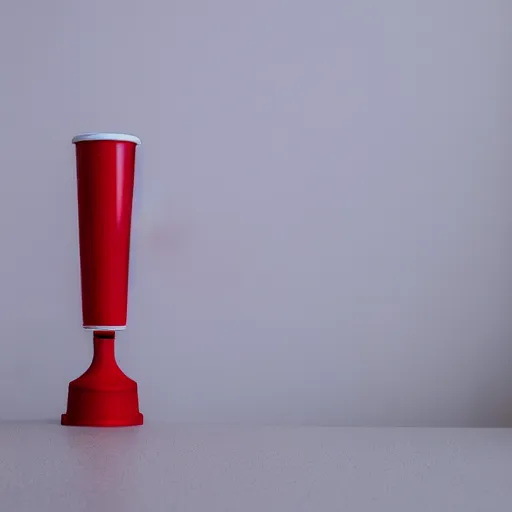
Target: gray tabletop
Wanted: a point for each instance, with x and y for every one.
(46, 467)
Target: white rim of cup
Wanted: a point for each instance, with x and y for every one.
(104, 327)
(123, 137)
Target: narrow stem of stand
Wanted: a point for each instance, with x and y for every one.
(104, 349)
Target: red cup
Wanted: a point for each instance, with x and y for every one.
(105, 175)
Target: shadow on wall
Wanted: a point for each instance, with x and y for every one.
(492, 391)
(493, 399)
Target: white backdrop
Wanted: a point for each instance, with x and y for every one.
(324, 226)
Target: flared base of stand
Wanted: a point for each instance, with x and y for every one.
(134, 422)
(103, 396)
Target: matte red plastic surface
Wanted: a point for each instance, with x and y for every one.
(105, 172)
(103, 396)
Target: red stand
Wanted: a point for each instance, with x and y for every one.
(103, 396)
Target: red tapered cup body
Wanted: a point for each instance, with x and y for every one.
(105, 177)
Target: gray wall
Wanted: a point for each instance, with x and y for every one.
(324, 221)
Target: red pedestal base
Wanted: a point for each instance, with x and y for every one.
(103, 396)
